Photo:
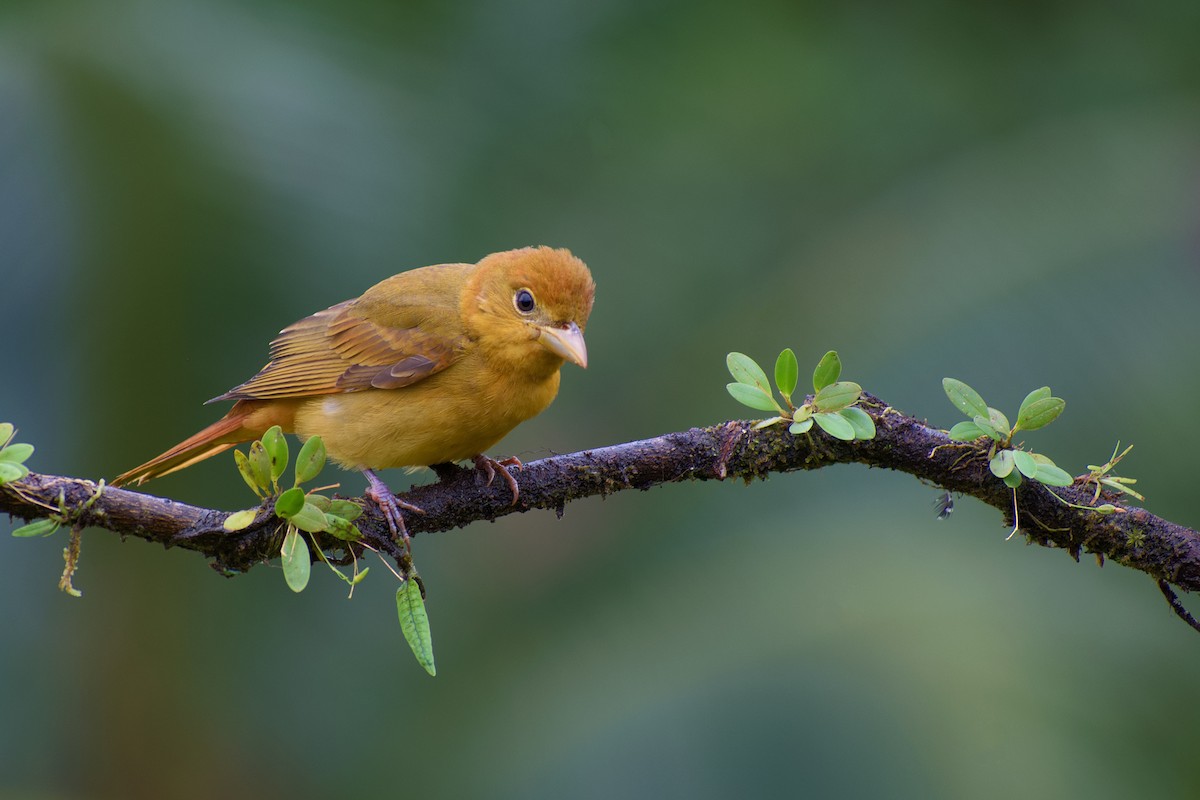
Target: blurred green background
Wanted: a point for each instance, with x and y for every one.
(1009, 194)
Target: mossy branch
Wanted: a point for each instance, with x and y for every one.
(1168, 553)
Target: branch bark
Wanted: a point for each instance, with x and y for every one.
(1167, 552)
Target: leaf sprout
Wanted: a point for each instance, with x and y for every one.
(831, 408)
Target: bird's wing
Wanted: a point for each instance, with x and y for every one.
(394, 335)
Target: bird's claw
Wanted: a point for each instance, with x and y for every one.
(489, 466)
(390, 505)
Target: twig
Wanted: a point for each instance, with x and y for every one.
(1176, 606)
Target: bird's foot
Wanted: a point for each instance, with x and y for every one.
(489, 466)
(390, 505)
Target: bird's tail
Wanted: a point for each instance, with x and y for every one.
(223, 434)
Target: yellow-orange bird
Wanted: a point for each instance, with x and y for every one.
(430, 366)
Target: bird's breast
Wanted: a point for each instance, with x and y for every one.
(451, 416)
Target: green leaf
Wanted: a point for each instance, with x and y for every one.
(345, 509)
(828, 370)
(752, 396)
(297, 563)
(1040, 413)
(260, 465)
(311, 460)
(6, 432)
(240, 520)
(243, 465)
(745, 370)
(837, 396)
(835, 425)
(275, 443)
(16, 453)
(984, 425)
(415, 624)
(1002, 463)
(341, 528)
(10, 472)
(1041, 459)
(966, 431)
(999, 421)
(766, 423)
(800, 426)
(309, 518)
(1025, 463)
(320, 501)
(1122, 485)
(39, 527)
(1053, 476)
(864, 426)
(1013, 479)
(290, 502)
(787, 373)
(1033, 397)
(964, 398)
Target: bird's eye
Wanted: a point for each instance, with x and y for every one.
(524, 302)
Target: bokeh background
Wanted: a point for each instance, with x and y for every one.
(1009, 194)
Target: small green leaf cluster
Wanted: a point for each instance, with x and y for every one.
(1007, 461)
(13, 455)
(832, 407)
(1103, 478)
(309, 512)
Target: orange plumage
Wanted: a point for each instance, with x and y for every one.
(430, 366)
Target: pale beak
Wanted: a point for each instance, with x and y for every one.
(566, 342)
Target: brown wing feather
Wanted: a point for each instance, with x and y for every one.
(337, 350)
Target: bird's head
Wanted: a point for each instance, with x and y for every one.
(530, 306)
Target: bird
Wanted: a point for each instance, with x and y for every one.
(431, 366)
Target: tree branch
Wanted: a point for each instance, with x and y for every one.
(1167, 552)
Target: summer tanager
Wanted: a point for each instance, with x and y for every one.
(431, 366)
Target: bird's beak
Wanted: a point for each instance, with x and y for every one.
(566, 342)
